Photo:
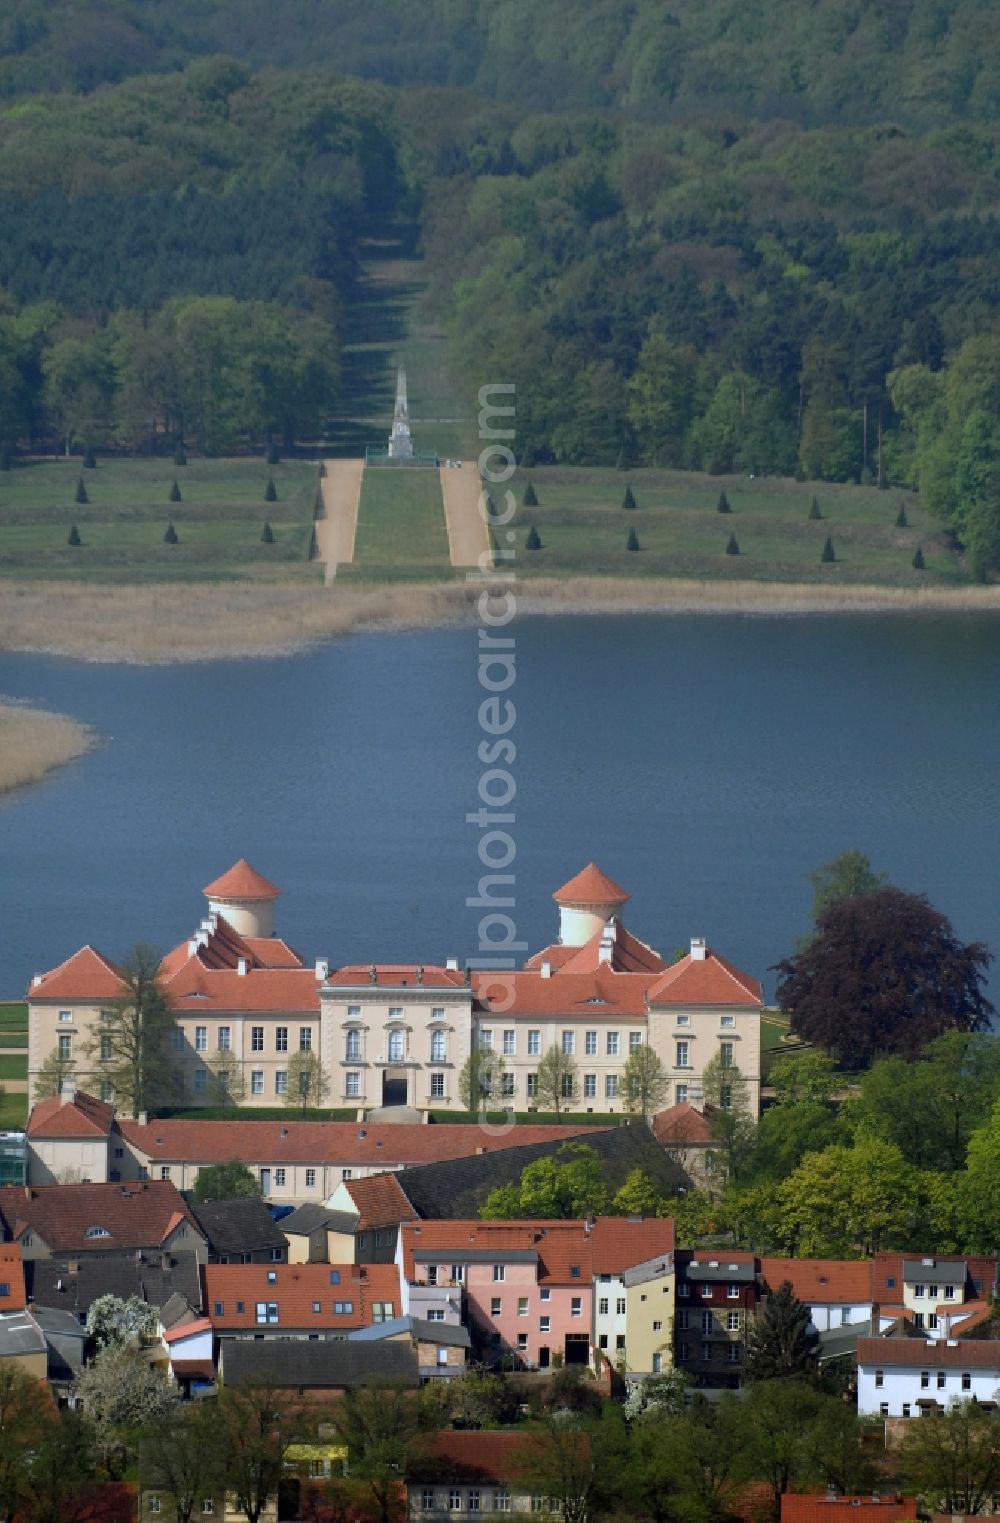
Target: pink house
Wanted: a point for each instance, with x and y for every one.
(526, 1287)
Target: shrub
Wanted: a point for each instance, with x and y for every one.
(81, 492)
(170, 536)
(272, 457)
(918, 559)
(533, 541)
(628, 501)
(267, 535)
(828, 552)
(732, 548)
(814, 511)
(270, 495)
(175, 492)
(902, 522)
(722, 506)
(74, 536)
(530, 498)
(632, 543)
(180, 455)
(89, 459)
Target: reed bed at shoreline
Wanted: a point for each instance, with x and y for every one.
(158, 624)
(33, 741)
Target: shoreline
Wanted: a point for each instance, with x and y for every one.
(34, 742)
(184, 622)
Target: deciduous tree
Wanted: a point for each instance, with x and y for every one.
(130, 1048)
(556, 1079)
(645, 1083)
(225, 1181)
(480, 1083)
(378, 1425)
(953, 1460)
(308, 1085)
(181, 1456)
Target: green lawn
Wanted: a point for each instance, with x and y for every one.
(13, 1016)
(401, 528)
(584, 528)
(253, 1113)
(13, 1112)
(13, 1065)
(218, 522)
(528, 1118)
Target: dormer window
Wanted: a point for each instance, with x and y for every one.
(97, 1232)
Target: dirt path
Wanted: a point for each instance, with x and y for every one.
(341, 495)
(468, 537)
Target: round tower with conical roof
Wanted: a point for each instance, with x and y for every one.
(586, 903)
(245, 898)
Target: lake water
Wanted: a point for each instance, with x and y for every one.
(707, 763)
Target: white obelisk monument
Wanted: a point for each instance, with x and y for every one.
(400, 443)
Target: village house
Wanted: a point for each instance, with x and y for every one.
(716, 1294)
(309, 1301)
(806, 1507)
(908, 1377)
(467, 1476)
(99, 1220)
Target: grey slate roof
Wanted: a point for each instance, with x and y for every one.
(944, 1271)
(445, 1333)
(235, 1227)
(50, 1283)
(459, 1186)
(313, 1216)
(331, 1364)
(20, 1334)
(840, 1342)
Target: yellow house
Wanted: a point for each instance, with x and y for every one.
(650, 1291)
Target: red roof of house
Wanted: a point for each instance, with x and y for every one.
(628, 954)
(709, 980)
(618, 1243)
(559, 1245)
(380, 1147)
(937, 1353)
(683, 1125)
(241, 882)
(491, 1455)
(274, 952)
(83, 1116)
(187, 1330)
(132, 1215)
(555, 954)
(846, 1282)
(591, 886)
(396, 975)
(819, 1508)
(598, 994)
(88, 974)
(380, 1200)
(299, 1289)
(12, 1275)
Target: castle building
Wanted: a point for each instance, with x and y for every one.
(245, 1002)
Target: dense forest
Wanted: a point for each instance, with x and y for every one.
(754, 238)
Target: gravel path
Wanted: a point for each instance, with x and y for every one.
(341, 495)
(468, 536)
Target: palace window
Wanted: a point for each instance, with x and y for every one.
(305, 1038)
(534, 1044)
(281, 1038)
(683, 1052)
(590, 1044)
(613, 1043)
(352, 1085)
(437, 1086)
(256, 1081)
(569, 1043)
(611, 1086)
(397, 1046)
(509, 1043)
(589, 1086)
(634, 1041)
(256, 1039)
(353, 1049)
(439, 1046)
(225, 1038)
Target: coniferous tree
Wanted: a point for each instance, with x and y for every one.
(74, 536)
(722, 506)
(632, 543)
(322, 469)
(781, 1342)
(533, 541)
(170, 536)
(89, 459)
(628, 501)
(918, 559)
(180, 455)
(270, 493)
(828, 555)
(81, 493)
(732, 547)
(267, 535)
(814, 511)
(902, 521)
(272, 457)
(530, 498)
(175, 492)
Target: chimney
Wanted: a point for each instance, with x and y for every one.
(605, 951)
(143, 1118)
(36, 980)
(29, 1193)
(546, 969)
(699, 950)
(67, 1090)
(192, 946)
(452, 964)
(322, 969)
(242, 967)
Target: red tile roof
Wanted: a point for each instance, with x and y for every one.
(591, 886)
(88, 974)
(493, 1456)
(12, 1275)
(628, 954)
(187, 1330)
(819, 1508)
(83, 1116)
(555, 954)
(599, 994)
(381, 1147)
(940, 1353)
(846, 1282)
(559, 1245)
(274, 952)
(396, 975)
(297, 1288)
(241, 882)
(289, 991)
(380, 1201)
(683, 1125)
(710, 980)
(133, 1215)
(618, 1244)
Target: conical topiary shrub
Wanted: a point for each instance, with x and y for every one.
(267, 535)
(322, 469)
(732, 548)
(722, 506)
(533, 541)
(632, 543)
(175, 492)
(81, 492)
(270, 495)
(272, 457)
(628, 501)
(530, 498)
(180, 455)
(828, 552)
(170, 536)
(814, 511)
(918, 559)
(89, 459)
(74, 536)
(902, 522)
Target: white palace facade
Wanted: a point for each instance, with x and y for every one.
(389, 1034)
